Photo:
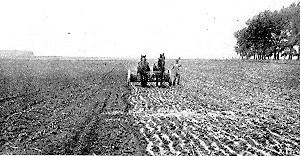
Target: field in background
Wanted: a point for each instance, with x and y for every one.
(222, 107)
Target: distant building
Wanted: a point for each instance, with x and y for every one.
(15, 54)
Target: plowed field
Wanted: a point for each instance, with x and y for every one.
(85, 107)
(223, 108)
(65, 107)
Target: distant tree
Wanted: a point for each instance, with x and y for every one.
(293, 27)
(270, 34)
(243, 45)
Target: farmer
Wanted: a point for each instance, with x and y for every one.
(143, 69)
(176, 71)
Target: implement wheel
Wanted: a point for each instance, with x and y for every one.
(170, 78)
(128, 77)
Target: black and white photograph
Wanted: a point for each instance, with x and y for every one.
(150, 78)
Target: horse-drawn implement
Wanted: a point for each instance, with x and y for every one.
(153, 76)
(144, 74)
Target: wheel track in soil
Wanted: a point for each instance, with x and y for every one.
(111, 124)
(170, 127)
(89, 139)
(79, 138)
(107, 128)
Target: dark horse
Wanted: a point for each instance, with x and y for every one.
(143, 69)
(161, 68)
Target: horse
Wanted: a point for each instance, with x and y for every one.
(143, 69)
(160, 68)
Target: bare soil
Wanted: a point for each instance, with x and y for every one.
(222, 107)
(65, 107)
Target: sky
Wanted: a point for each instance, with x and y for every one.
(127, 28)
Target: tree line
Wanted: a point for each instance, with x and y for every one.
(271, 34)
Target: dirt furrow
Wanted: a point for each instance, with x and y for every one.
(86, 115)
(170, 127)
